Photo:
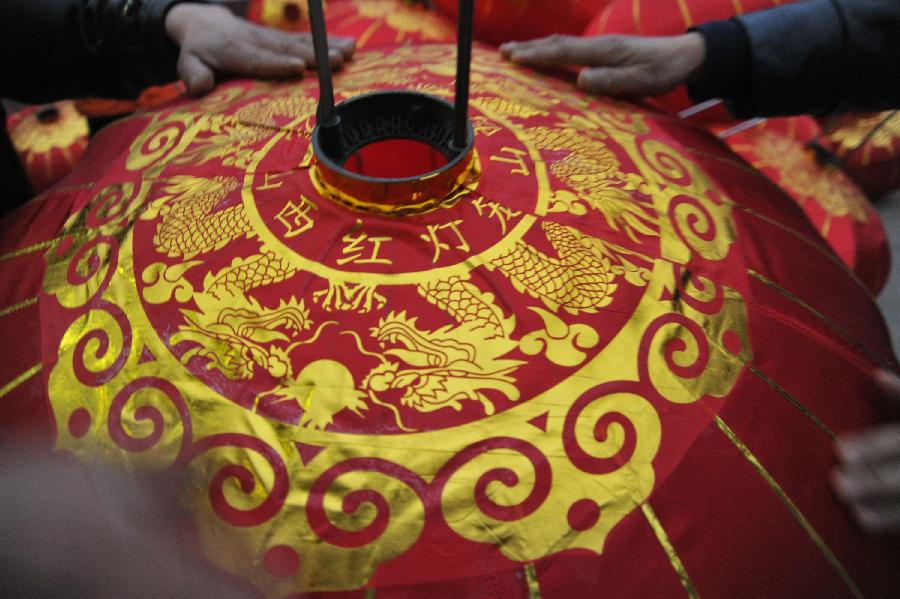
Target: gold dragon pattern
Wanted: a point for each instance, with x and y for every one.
(457, 352)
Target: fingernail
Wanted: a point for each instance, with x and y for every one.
(839, 483)
(847, 450)
(582, 79)
(870, 519)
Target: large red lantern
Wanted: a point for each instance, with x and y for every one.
(596, 354)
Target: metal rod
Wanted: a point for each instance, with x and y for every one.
(463, 64)
(742, 126)
(325, 115)
(698, 108)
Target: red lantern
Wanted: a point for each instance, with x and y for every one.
(287, 15)
(868, 146)
(664, 17)
(560, 371)
(49, 140)
(387, 22)
(502, 21)
(835, 206)
(371, 22)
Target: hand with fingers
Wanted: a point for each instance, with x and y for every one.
(868, 474)
(617, 65)
(213, 42)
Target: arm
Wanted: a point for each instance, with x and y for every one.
(867, 475)
(70, 48)
(815, 56)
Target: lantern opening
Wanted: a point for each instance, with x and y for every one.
(373, 151)
(392, 151)
(395, 158)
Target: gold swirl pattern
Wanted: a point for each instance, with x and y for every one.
(340, 386)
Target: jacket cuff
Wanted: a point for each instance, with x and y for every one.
(726, 72)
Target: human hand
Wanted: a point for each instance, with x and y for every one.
(618, 65)
(868, 473)
(215, 42)
(88, 531)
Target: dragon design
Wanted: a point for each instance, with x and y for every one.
(236, 334)
(442, 368)
(189, 225)
(430, 370)
(592, 170)
(581, 279)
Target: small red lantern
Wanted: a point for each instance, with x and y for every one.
(867, 147)
(49, 140)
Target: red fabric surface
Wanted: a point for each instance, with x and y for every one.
(868, 146)
(202, 224)
(502, 21)
(372, 22)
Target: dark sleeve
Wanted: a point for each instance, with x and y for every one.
(55, 49)
(815, 57)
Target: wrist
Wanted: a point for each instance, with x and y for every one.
(183, 16)
(692, 46)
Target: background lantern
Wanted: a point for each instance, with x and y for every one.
(834, 204)
(49, 140)
(868, 148)
(603, 358)
(518, 20)
(371, 22)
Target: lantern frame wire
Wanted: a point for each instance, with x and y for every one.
(344, 129)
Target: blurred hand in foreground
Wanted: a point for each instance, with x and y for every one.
(86, 532)
(214, 43)
(868, 474)
(617, 65)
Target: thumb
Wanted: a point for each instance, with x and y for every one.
(609, 81)
(196, 74)
(889, 383)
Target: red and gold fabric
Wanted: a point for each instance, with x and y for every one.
(287, 15)
(500, 21)
(49, 140)
(605, 361)
(150, 98)
(371, 22)
(868, 146)
(835, 206)
(671, 17)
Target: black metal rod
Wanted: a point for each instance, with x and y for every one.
(325, 115)
(463, 64)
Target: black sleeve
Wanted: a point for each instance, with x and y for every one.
(55, 49)
(815, 57)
